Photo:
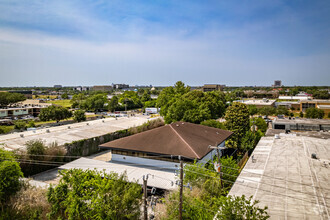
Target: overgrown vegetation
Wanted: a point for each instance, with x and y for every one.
(92, 194)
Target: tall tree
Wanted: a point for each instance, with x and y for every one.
(237, 121)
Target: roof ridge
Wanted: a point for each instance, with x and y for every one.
(184, 141)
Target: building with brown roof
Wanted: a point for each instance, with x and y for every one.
(190, 141)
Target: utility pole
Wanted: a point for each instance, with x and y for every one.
(181, 188)
(145, 211)
(218, 156)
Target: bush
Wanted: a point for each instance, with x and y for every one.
(79, 115)
(94, 195)
(30, 203)
(5, 129)
(20, 125)
(35, 149)
(10, 173)
(301, 114)
(31, 124)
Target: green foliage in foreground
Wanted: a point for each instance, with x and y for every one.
(94, 195)
(10, 172)
(207, 200)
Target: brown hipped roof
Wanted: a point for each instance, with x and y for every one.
(179, 138)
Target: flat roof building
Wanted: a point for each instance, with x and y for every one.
(302, 124)
(212, 87)
(259, 103)
(283, 176)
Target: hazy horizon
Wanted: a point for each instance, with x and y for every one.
(234, 43)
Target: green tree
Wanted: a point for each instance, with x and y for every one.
(301, 114)
(267, 111)
(169, 95)
(237, 121)
(65, 96)
(214, 124)
(195, 106)
(146, 96)
(130, 99)
(314, 113)
(10, 173)
(95, 102)
(113, 104)
(260, 123)
(253, 109)
(7, 98)
(328, 114)
(79, 115)
(94, 195)
(53, 112)
(282, 110)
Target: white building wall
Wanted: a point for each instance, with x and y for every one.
(144, 161)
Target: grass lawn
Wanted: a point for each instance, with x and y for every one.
(44, 96)
(6, 129)
(64, 103)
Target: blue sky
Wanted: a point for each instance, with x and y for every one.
(156, 42)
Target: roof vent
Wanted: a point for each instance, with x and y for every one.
(183, 123)
(314, 156)
(48, 131)
(177, 125)
(22, 135)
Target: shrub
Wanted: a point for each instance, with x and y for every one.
(30, 203)
(10, 173)
(20, 125)
(35, 149)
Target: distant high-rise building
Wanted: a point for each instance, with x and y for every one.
(57, 86)
(277, 83)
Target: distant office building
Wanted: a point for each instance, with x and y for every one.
(315, 103)
(58, 86)
(277, 83)
(102, 88)
(120, 86)
(212, 87)
(81, 88)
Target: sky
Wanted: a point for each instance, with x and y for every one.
(159, 42)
